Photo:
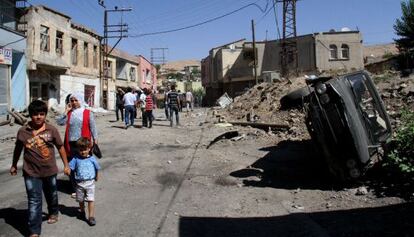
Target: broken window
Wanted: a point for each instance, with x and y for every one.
(132, 74)
(95, 56)
(59, 43)
(44, 38)
(334, 51)
(85, 55)
(74, 52)
(345, 51)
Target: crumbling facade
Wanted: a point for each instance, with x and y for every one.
(229, 68)
(62, 56)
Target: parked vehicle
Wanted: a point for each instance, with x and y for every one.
(346, 118)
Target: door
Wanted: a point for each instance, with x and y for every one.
(90, 95)
(4, 89)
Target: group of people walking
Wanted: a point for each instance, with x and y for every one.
(37, 140)
(130, 101)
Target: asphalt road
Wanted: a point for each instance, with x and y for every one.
(165, 182)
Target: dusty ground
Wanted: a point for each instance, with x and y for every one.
(165, 182)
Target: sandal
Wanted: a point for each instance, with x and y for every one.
(52, 219)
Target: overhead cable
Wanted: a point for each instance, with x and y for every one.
(201, 23)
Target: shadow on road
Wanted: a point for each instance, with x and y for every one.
(288, 165)
(15, 218)
(395, 220)
(69, 211)
(64, 186)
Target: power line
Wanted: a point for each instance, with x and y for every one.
(201, 23)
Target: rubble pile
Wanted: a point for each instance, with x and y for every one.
(397, 94)
(261, 104)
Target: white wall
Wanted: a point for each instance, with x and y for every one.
(70, 84)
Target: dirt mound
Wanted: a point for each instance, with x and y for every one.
(262, 104)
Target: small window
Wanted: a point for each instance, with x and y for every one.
(132, 74)
(85, 55)
(59, 43)
(95, 56)
(44, 38)
(345, 51)
(334, 51)
(108, 69)
(74, 52)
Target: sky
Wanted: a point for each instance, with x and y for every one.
(374, 18)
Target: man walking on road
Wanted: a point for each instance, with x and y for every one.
(174, 103)
(119, 106)
(129, 104)
(189, 100)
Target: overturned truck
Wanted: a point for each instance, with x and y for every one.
(346, 119)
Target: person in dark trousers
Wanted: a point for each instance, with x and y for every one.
(148, 108)
(130, 101)
(38, 140)
(166, 106)
(174, 104)
(119, 106)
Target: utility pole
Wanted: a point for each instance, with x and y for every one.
(116, 31)
(289, 53)
(157, 60)
(254, 54)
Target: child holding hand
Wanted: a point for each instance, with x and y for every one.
(85, 166)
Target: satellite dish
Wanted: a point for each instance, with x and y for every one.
(345, 29)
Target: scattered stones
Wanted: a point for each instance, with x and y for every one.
(361, 191)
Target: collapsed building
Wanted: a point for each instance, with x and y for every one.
(229, 68)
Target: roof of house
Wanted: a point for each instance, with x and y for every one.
(122, 54)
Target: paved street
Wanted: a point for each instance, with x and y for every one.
(165, 182)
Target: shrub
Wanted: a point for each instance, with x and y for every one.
(401, 156)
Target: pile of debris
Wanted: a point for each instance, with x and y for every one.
(261, 106)
(397, 94)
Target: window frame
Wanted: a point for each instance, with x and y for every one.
(74, 51)
(59, 42)
(44, 36)
(333, 52)
(345, 48)
(85, 54)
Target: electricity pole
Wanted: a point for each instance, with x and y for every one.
(111, 31)
(289, 53)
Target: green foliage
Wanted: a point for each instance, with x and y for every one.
(177, 76)
(380, 78)
(199, 92)
(387, 55)
(404, 27)
(402, 156)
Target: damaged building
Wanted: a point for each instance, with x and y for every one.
(229, 68)
(62, 56)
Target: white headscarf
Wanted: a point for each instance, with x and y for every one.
(78, 112)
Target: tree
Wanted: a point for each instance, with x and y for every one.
(404, 27)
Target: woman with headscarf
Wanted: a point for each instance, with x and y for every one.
(79, 122)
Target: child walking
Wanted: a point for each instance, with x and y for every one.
(37, 140)
(85, 166)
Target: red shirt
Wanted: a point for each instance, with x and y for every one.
(148, 102)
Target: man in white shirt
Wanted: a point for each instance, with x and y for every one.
(189, 100)
(130, 101)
